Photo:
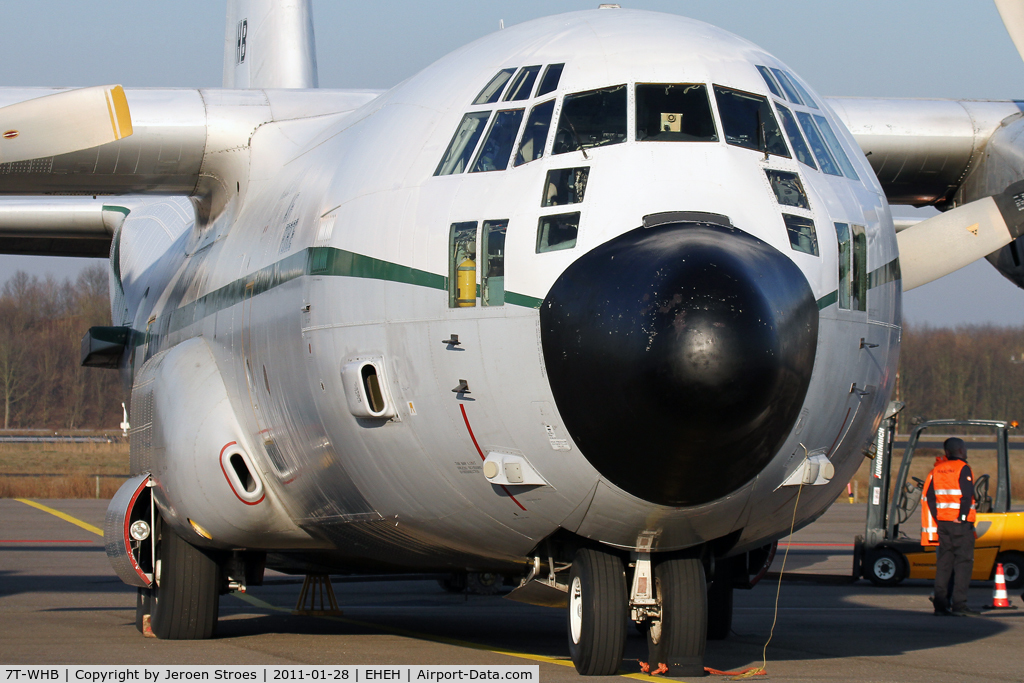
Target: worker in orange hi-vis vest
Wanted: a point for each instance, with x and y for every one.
(929, 532)
(950, 497)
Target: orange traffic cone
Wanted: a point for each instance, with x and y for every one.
(999, 599)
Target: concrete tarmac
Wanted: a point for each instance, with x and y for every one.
(61, 604)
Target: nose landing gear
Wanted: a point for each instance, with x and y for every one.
(599, 607)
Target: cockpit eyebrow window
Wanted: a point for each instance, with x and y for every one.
(536, 134)
(492, 91)
(674, 111)
(806, 96)
(522, 84)
(803, 153)
(460, 149)
(591, 119)
(825, 160)
(549, 83)
(792, 94)
(769, 80)
(748, 121)
(497, 148)
(837, 149)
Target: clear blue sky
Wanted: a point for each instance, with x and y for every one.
(908, 48)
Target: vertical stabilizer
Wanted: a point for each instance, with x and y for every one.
(269, 44)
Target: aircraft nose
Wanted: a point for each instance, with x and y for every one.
(679, 357)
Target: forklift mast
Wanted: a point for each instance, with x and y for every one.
(877, 529)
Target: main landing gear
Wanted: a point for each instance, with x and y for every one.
(668, 600)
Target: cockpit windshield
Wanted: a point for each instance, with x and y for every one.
(674, 111)
(460, 149)
(592, 119)
(748, 121)
(497, 148)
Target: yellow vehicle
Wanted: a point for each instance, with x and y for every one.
(886, 555)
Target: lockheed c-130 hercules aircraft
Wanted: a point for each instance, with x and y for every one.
(602, 301)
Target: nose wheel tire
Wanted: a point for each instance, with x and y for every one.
(720, 602)
(187, 599)
(679, 638)
(884, 567)
(598, 602)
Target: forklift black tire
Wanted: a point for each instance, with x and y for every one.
(598, 612)
(885, 567)
(186, 602)
(1013, 568)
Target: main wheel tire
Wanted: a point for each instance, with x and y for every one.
(143, 606)
(456, 583)
(1013, 568)
(187, 599)
(483, 583)
(885, 567)
(678, 640)
(720, 602)
(598, 606)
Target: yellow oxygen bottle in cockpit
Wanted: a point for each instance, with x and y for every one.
(465, 294)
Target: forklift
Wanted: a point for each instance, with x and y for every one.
(885, 555)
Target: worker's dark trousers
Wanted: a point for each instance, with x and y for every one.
(956, 551)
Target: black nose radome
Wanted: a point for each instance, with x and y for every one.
(679, 357)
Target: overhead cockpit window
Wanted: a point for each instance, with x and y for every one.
(557, 232)
(837, 149)
(792, 94)
(748, 121)
(796, 138)
(460, 149)
(825, 160)
(769, 80)
(801, 234)
(462, 265)
(492, 282)
(497, 148)
(565, 186)
(492, 91)
(592, 119)
(536, 134)
(550, 81)
(788, 189)
(674, 111)
(522, 84)
(804, 95)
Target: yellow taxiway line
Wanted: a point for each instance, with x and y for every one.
(256, 602)
(66, 517)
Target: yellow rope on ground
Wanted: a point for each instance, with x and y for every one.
(763, 669)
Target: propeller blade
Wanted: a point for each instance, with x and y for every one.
(1012, 12)
(940, 245)
(64, 122)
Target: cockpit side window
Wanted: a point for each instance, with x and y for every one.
(522, 84)
(557, 232)
(837, 149)
(748, 121)
(825, 160)
(802, 236)
(549, 83)
(769, 80)
(536, 134)
(674, 111)
(565, 186)
(492, 91)
(796, 138)
(497, 148)
(792, 94)
(460, 149)
(845, 259)
(592, 119)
